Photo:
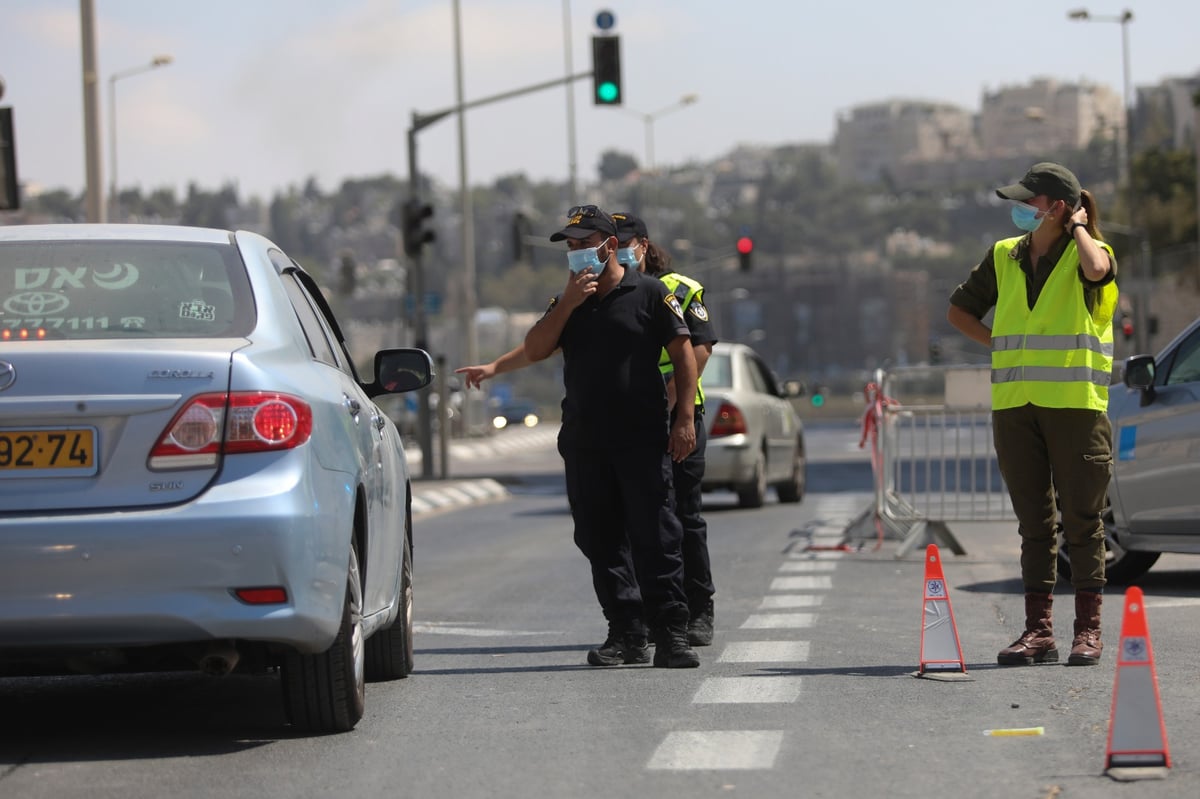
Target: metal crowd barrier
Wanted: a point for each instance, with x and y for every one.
(930, 432)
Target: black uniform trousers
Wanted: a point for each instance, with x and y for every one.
(622, 503)
(697, 568)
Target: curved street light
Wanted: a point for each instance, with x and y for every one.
(649, 118)
(155, 63)
(1125, 162)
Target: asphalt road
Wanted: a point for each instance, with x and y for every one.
(808, 690)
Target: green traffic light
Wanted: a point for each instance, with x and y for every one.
(607, 92)
(818, 400)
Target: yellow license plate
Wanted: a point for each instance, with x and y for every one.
(48, 451)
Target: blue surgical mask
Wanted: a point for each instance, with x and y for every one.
(579, 260)
(1026, 217)
(629, 257)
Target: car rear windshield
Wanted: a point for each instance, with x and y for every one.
(122, 289)
(717, 373)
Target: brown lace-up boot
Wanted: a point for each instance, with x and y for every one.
(1036, 644)
(1086, 648)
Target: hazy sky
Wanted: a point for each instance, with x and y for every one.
(269, 92)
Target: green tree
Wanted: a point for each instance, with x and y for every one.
(615, 165)
(1165, 187)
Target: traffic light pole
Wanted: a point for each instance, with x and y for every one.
(416, 260)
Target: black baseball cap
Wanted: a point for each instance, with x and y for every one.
(629, 226)
(1053, 180)
(583, 221)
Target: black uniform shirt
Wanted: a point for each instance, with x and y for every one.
(615, 395)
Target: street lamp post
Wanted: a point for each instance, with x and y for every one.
(1125, 171)
(649, 119)
(155, 63)
(1125, 158)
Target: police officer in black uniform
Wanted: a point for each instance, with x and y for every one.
(616, 439)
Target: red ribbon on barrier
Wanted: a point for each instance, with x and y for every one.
(876, 402)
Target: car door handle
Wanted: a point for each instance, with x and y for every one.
(353, 406)
(380, 421)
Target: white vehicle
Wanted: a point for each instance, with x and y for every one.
(755, 439)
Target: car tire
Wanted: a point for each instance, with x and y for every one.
(793, 489)
(390, 650)
(326, 692)
(1121, 566)
(753, 494)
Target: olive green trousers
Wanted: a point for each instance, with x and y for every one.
(1057, 463)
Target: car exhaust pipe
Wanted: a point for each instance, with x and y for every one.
(219, 660)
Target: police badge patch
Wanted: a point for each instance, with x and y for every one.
(698, 310)
(673, 303)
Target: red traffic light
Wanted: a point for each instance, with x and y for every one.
(1127, 327)
(745, 245)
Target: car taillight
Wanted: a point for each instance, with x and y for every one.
(214, 424)
(729, 421)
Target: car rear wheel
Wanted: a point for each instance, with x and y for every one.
(1121, 566)
(390, 651)
(792, 490)
(753, 494)
(326, 692)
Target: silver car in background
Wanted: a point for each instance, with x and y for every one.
(755, 438)
(1154, 495)
(192, 474)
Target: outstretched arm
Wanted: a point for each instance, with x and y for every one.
(510, 361)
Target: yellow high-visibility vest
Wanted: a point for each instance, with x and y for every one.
(685, 290)
(1057, 354)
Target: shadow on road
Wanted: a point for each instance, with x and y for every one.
(136, 716)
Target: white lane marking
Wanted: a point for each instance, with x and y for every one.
(765, 652)
(700, 750)
(1171, 603)
(786, 601)
(816, 555)
(808, 566)
(447, 628)
(746, 690)
(802, 584)
(778, 621)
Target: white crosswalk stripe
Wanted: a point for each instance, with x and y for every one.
(804, 572)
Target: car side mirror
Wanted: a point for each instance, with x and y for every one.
(1139, 374)
(793, 388)
(400, 370)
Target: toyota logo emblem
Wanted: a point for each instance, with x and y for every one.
(8, 374)
(36, 303)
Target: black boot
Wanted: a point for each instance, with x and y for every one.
(626, 644)
(700, 625)
(671, 649)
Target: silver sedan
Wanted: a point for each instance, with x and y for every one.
(192, 472)
(755, 439)
(1153, 504)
